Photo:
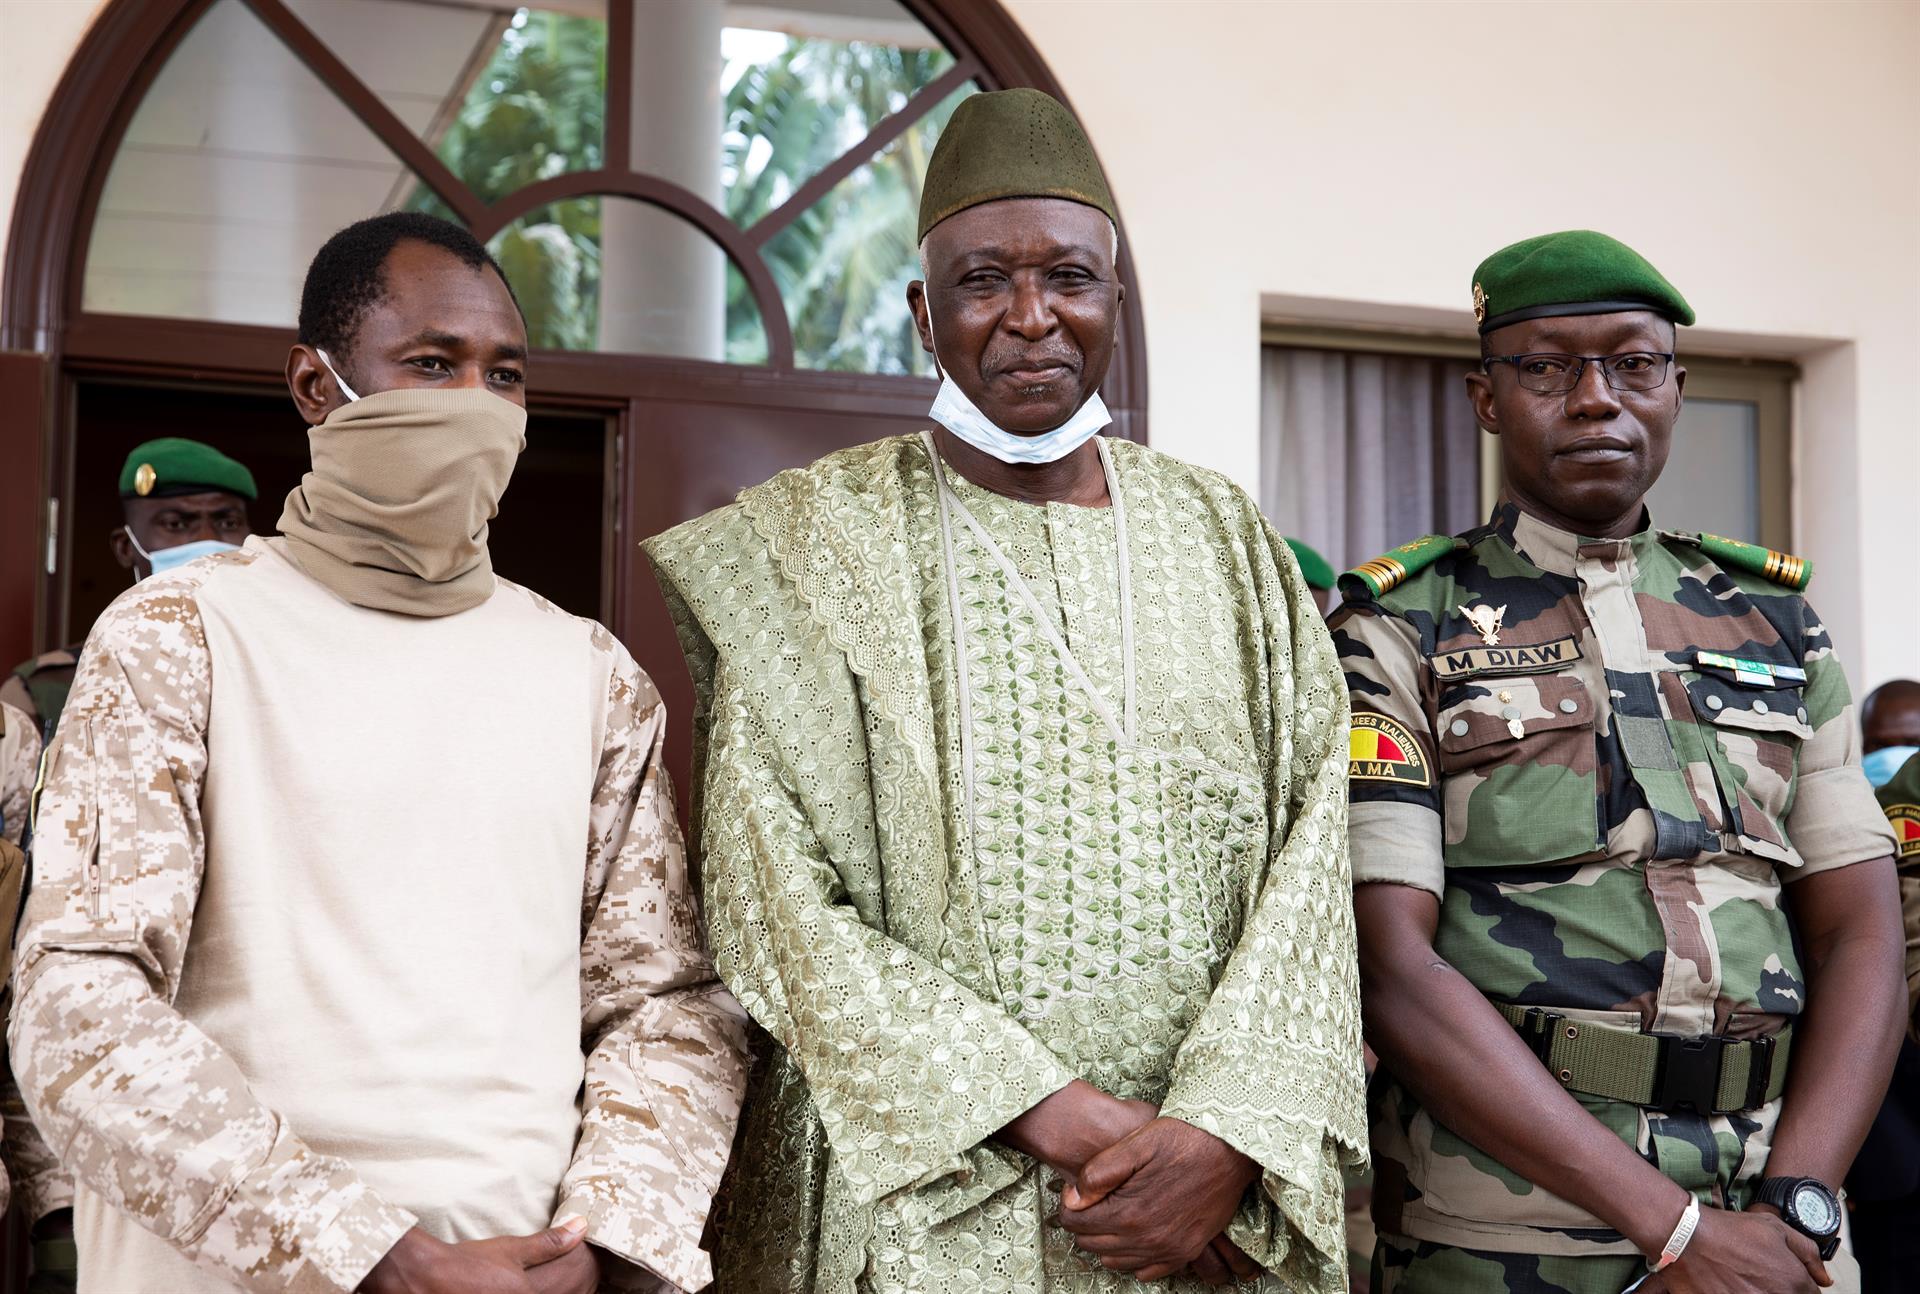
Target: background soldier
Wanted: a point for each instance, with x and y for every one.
(32, 1176)
(1315, 570)
(1884, 1184)
(1587, 756)
(179, 499)
(1889, 728)
(1900, 800)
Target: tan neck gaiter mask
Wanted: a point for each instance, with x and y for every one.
(394, 514)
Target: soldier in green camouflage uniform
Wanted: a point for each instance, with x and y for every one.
(1586, 772)
(1900, 800)
(177, 496)
(38, 688)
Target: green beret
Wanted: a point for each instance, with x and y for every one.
(1578, 272)
(1317, 570)
(173, 465)
(1011, 144)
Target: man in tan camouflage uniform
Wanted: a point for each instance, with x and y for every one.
(1629, 933)
(331, 925)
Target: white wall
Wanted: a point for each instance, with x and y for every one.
(1356, 161)
(36, 39)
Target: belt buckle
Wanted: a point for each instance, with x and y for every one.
(1687, 1076)
(1538, 1028)
(1759, 1072)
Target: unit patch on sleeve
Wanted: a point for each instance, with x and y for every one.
(1383, 750)
(1905, 819)
(1538, 658)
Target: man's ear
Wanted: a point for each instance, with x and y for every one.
(122, 548)
(1480, 394)
(917, 302)
(315, 393)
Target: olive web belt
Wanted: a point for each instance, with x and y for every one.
(1660, 1071)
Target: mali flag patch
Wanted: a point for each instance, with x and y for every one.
(1905, 820)
(1383, 750)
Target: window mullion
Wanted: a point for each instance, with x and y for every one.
(367, 106)
(930, 97)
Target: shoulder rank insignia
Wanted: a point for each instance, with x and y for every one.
(1371, 579)
(1783, 569)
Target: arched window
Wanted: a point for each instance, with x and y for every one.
(706, 208)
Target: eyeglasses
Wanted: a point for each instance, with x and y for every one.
(1640, 370)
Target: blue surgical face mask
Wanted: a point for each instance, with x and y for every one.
(165, 559)
(1880, 765)
(959, 415)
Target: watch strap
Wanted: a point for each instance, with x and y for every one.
(1776, 1191)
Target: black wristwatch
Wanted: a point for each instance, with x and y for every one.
(1807, 1205)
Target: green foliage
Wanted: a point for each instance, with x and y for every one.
(538, 110)
(842, 266)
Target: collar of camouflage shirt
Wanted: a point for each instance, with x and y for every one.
(1558, 551)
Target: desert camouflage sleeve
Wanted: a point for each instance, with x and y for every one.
(1394, 819)
(1835, 820)
(142, 1107)
(666, 1063)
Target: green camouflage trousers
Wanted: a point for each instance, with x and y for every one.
(1424, 1268)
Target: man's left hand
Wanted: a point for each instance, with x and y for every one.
(577, 1271)
(1152, 1202)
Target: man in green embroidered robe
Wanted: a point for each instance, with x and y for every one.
(1019, 756)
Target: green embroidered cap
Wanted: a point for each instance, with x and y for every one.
(174, 465)
(1371, 579)
(1576, 272)
(1011, 144)
(1783, 569)
(1315, 569)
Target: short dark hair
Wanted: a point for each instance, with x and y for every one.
(347, 276)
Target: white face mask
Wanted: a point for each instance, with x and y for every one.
(341, 382)
(961, 416)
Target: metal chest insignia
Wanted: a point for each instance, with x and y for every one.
(1487, 620)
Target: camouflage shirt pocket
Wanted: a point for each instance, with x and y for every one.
(1755, 750)
(1499, 717)
(1520, 771)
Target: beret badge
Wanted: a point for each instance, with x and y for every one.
(1479, 304)
(143, 478)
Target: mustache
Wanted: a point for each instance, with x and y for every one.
(1003, 358)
